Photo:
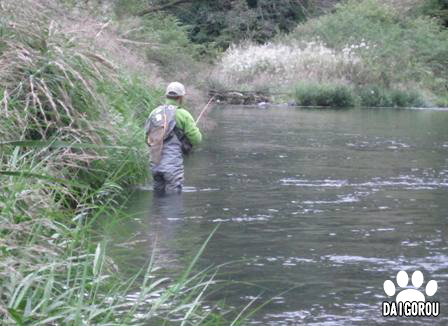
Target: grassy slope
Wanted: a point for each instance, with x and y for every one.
(73, 103)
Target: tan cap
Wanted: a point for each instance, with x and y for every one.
(175, 89)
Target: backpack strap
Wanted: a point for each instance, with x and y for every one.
(186, 145)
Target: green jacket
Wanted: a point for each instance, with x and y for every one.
(185, 121)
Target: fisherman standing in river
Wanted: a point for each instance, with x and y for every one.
(171, 132)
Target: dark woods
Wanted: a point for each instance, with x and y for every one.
(224, 22)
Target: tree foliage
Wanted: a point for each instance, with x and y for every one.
(437, 9)
(230, 21)
(221, 23)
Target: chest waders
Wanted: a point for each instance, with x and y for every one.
(166, 148)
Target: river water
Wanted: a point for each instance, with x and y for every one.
(317, 208)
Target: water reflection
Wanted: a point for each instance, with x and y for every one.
(164, 221)
(168, 207)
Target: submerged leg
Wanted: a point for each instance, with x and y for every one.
(159, 183)
(174, 182)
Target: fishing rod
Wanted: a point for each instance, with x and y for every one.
(205, 109)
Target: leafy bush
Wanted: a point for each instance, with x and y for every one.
(313, 94)
(442, 101)
(221, 23)
(376, 96)
(406, 98)
(435, 8)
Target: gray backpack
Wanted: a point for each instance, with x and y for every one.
(159, 127)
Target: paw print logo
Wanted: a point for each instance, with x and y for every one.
(410, 295)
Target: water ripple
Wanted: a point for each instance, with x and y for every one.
(407, 181)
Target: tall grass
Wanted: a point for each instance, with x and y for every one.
(71, 116)
(277, 66)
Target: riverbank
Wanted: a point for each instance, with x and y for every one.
(364, 53)
(73, 105)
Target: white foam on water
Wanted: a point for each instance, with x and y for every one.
(406, 181)
(315, 183)
(190, 189)
(257, 218)
(343, 199)
(209, 189)
(194, 217)
(383, 229)
(344, 259)
(287, 261)
(379, 144)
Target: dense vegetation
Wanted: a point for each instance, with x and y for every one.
(218, 24)
(77, 84)
(74, 99)
(382, 55)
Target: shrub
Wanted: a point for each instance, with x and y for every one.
(442, 101)
(435, 8)
(335, 95)
(313, 94)
(402, 98)
(377, 96)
